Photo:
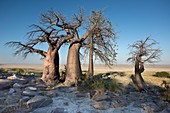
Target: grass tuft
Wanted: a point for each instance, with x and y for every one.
(98, 83)
(162, 74)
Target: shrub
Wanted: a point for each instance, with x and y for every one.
(122, 74)
(19, 70)
(2, 70)
(165, 94)
(162, 74)
(97, 83)
(15, 70)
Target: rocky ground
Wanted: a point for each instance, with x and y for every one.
(29, 95)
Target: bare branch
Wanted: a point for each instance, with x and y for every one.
(144, 51)
(24, 49)
(103, 38)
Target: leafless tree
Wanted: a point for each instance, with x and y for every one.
(141, 52)
(74, 71)
(101, 42)
(54, 30)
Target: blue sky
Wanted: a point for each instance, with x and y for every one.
(133, 20)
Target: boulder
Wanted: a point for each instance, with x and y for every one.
(85, 95)
(1, 108)
(14, 76)
(5, 84)
(24, 99)
(30, 93)
(50, 93)
(100, 96)
(2, 99)
(31, 88)
(18, 85)
(10, 109)
(101, 105)
(11, 91)
(12, 99)
(21, 81)
(116, 104)
(39, 101)
(167, 110)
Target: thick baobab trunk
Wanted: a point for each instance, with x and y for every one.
(91, 67)
(73, 71)
(51, 67)
(140, 83)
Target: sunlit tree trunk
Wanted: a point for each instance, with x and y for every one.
(73, 71)
(140, 83)
(91, 66)
(51, 67)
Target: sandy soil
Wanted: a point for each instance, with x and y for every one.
(98, 68)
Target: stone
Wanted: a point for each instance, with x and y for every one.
(129, 109)
(11, 108)
(21, 81)
(14, 76)
(167, 110)
(58, 110)
(100, 96)
(150, 106)
(39, 86)
(2, 100)
(5, 84)
(18, 85)
(31, 88)
(116, 104)
(79, 95)
(39, 101)
(11, 91)
(24, 99)
(51, 93)
(1, 108)
(30, 93)
(101, 105)
(11, 99)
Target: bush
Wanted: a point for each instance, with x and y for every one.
(18, 70)
(162, 74)
(15, 70)
(122, 74)
(2, 70)
(97, 83)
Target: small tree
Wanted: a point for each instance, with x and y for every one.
(141, 52)
(101, 42)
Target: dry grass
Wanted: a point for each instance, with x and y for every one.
(128, 69)
(148, 77)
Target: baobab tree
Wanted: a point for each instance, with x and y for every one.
(73, 71)
(99, 27)
(141, 52)
(53, 30)
(101, 42)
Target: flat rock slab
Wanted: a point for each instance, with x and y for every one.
(5, 84)
(10, 108)
(101, 105)
(39, 101)
(30, 93)
(58, 110)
